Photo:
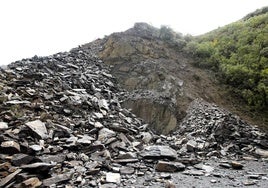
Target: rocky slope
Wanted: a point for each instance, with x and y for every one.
(64, 121)
(150, 64)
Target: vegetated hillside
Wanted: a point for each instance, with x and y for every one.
(239, 53)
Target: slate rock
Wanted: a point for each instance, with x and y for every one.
(19, 159)
(38, 127)
(10, 147)
(127, 170)
(38, 166)
(158, 152)
(105, 133)
(3, 125)
(9, 178)
(31, 182)
(164, 166)
(191, 145)
(113, 177)
(57, 178)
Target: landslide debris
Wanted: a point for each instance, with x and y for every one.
(150, 64)
(63, 124)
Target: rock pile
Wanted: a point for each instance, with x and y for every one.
(61, 123)
(208, 130)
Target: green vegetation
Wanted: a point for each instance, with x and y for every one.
(238, 53)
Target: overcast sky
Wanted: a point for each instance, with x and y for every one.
(45, 27)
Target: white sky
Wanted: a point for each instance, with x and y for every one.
(45, 27)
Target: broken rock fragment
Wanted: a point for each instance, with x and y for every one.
(164, 166)
(159, 152)
(59, 178)
(19, 159)
(38, 127)
(113, 178)
(3, 125)
(31, 182)
(10, 147)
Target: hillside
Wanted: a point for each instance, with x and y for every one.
(238, 54)
(151, 65)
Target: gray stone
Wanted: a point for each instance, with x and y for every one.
(113, 177)
(191, 145)
(127, 170)
(39, 128)
(193, 172)
(105, 133)
(85, 140)
(56, 179)
(36, 147)
(159, 152)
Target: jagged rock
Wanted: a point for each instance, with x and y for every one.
(31, 182)
(10, 147)
(191, 145)
(85, 139)
(38, 127)
(57, 179)
(105, 133)
(19, 159)
(164, 166)
(159, 152)
(39, 166)
(113, 177)
(9, 178)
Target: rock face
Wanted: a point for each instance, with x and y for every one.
(149, 64)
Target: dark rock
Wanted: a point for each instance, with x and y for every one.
(60, 178)
(19, 159)
(38, 167)
(164, 166)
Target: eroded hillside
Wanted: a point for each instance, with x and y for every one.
(151, 64)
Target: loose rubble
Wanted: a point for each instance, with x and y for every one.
(62, 125)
